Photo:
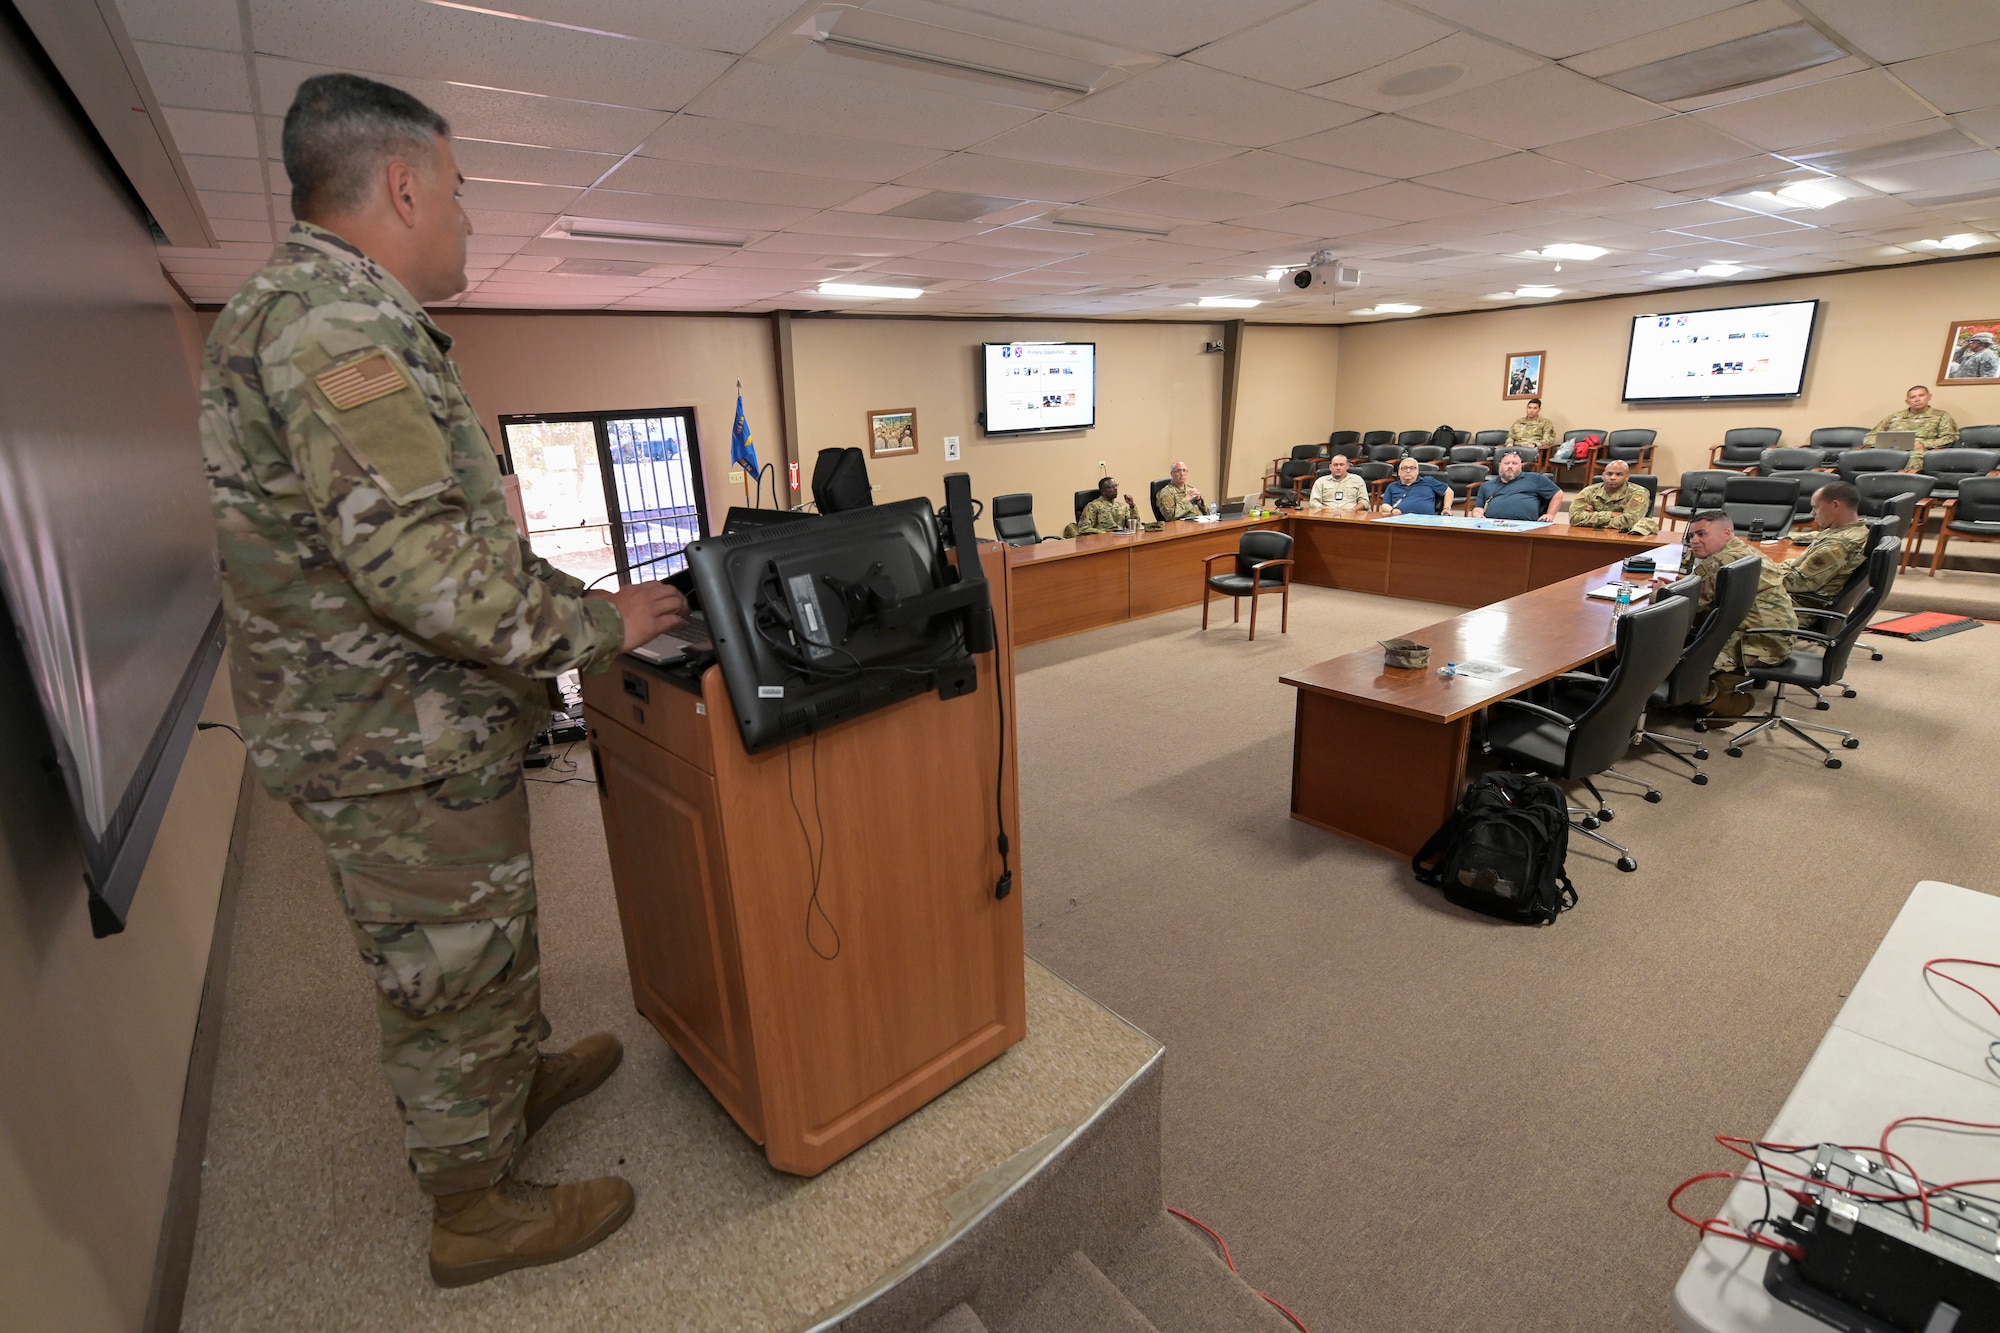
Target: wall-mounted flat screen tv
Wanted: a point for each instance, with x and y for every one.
(1039, 386)
(1705, 356)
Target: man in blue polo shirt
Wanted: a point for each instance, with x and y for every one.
(1415, 492)
(1516, 494)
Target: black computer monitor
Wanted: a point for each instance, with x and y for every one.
(742, 518)
(817, 622)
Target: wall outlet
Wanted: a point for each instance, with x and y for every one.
(1211, 347)
(951, 448)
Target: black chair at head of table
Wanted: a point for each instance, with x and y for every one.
(1698, 491)
(1742, 446)
(1596, 717)
(1014, 519)
(1735, 592)
(1263, 564)
(1761, 508)
(1833, 441)
(1813, 671)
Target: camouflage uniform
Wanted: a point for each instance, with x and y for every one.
(1934, 427)
(390, 641)
(1773, 607)
(1102, 515)
(1977, 362)
(1814, 576)
(1174, 503)
(1532, 433)
(1349, 492)
(1596, 507)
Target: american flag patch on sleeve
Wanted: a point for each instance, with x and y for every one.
(361, 381)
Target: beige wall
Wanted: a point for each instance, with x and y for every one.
(1159, 398)
(1879, 332)
(558, 363)
(1284, 396)
(98, 1038)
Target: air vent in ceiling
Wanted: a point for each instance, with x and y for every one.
(1713, 69)
(619, 231)
(605, 268)
(950, 206)
(1122, 224)
(1940, 143)
(1428, 256)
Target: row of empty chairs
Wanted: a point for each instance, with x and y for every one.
(1743, 447)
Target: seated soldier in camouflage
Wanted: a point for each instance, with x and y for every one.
(1533, 431)
(1177, 499)
(1109, 512)
(1837, 549)
(1934, 427)
(1712, 540)
(1614, 503)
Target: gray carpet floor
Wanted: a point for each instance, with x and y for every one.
(1405, 1116)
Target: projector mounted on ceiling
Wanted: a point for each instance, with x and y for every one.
(1324, 272)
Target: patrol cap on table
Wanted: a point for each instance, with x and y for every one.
(1405, 653)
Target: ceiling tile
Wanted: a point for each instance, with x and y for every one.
(506, 196)
(1561, 28)
(506, 223)
(213, 133)
(1744, 20)
(1517, 178)
(1908, 28)
(1836, 107)
(480, 160)
(1935, 173)
(1611, 200)
(244, 229)
(462, 45)
(1166, 199)
(811, 100)
(1193, 100)
(1727, 177)
(652, 175)
(1403, 201)
(1094, 145)
(887, 229)
(1322, 41)
(192, 77)
(1011, 178)
(1651, 148)
(1392, 147)
(731, 143)
(1983, 125)
(1544, 106)
(685, 211)
(1456, 64)
(222, 204)
(210, 23)
(1742, 228)
(1169, 27)
(1964, 79)
(244, 174)
(736, 26)
(1308, 220)
(1289, 180)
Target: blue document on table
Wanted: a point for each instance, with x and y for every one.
(1462, 521)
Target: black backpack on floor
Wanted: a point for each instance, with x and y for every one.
(1503, 849)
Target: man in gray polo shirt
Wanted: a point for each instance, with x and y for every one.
(1518, 495)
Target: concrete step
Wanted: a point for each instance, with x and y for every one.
(1174, 1275)
(1076, 1297)
(958, 1319)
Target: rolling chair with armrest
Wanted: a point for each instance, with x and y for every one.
(1633, 447)
(1471, 453)
(1340, 437)
(1852, 463)
(1153, 489)
(1742, 446)
(1292, 473)
(1882, 504)
(1489, 439)
(1979, 437)
(1384, 453)
(1376, 477)
(1554, 468)
(1764, 505)
(1263, 564)
(1698, 491)
(1735, 593)
(1786, 460)
(1973, 516)
(1652, 485)
(1370, 439)
(1464, 479)
(1083, 498)
(1014, 519)
(1833, 441)
(1428, 453)
(1580, 744)
(1953, 466)
(1410, 439)
(1814, 671)
(1298, 452)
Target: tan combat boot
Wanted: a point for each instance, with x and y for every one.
(483, 1233)
(561, 1079)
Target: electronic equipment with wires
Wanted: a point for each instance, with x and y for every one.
(1882, 1252)
(814, 623)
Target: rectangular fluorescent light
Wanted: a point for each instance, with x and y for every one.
(1133, 227)
(868, 292)
(1227, 302)
(1390, 308)
(1538, 291)
(1570, 250)
(1719, 270)
(1810, 193)
(1965, 240)
(640, 233)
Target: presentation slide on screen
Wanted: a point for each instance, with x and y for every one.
(1040, 386)
(1756, 351)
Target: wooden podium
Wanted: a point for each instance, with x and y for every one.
(817, 1022)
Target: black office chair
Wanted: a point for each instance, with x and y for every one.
(1651, 484)
(1698, 491)
(1014, 519)
(1340, 437)
(1409, 439)
(1557, 468)
(1083, 498)
(1952, 466)
(1292, 474)
(1459, 437)
(1854, 462)
(1302, 451)
(1153, 489)
(1370, 439)
(1833, 441)
(1464, 479)
(1877, 488)
(1384, 453)
(1633, 448)
(1786, 460)
(1490, 439)
(1428, 453)
(1735, 592)
(1762, 508)
(1979, 437)
(1375, 476)
(1263, 564)
(1973, 516)
(1472, 453)
(1603, 716)
(1813, 671)
(1742, 447)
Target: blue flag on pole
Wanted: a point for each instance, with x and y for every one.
(742, 449)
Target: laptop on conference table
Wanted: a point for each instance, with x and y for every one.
(1229, 509)
(1906, 440)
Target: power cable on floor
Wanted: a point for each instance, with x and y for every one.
(1230, 1259)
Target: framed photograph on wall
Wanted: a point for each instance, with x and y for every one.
(892, 432)
(1524, 375)
(1971, 353)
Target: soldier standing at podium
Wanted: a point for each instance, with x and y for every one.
(391, 643)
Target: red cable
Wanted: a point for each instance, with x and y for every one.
(1931, 968)
(1229, 1259)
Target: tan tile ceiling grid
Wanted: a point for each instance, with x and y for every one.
(1125, 158)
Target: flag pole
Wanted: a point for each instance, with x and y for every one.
(748, 481)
